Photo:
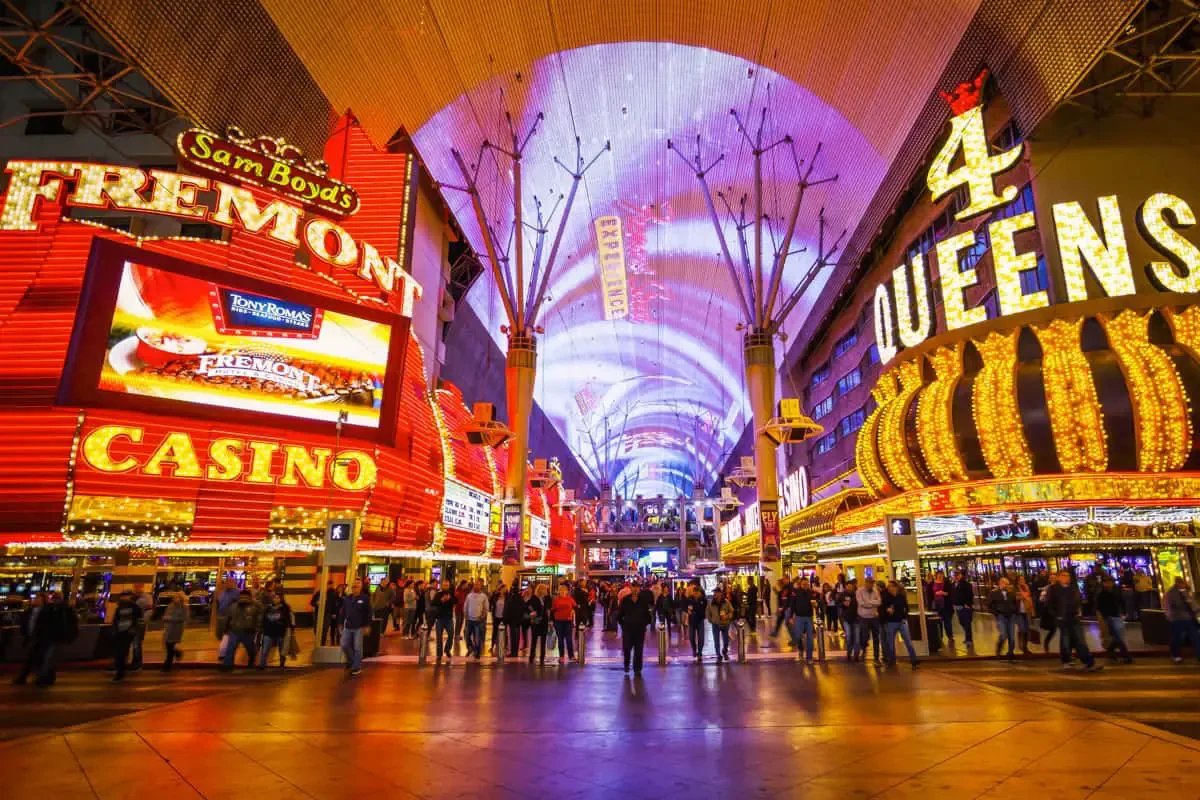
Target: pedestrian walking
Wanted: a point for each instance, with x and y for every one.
(1025, 612)
(697, 607)
(752, 608)
(562, 610)
(720, 613)
(539, 623)
(515, 612)
(1110, 607)
(174, 618)
(278, 624)
(460, 599)
(356, 620)
(869, 600)
(127, 615)
(243, 625)
(1002, 602)
(45, 625)
(1065, 604)
(633, 617)
(802, 608)
(894, 614)
(414, 599)
(962, 595)
(382, 600)
(941, 603)
(848, 610)
(498, 601)
(441, 609)
(475, 609)
(1183, 614)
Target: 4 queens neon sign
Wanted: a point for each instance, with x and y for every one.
(904, 305)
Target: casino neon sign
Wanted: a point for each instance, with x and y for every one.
(176, 194)
(902, 305)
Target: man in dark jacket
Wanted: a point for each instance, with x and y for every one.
(962, 595)
(664, 608)
(45, 625)
(277, 625)
(583, 610)
(127, 616)
(752, 607)
(1003, 604)
(1110, 606)
(1064, 602)
(633, 615)
(442, 608)
(243, 624)
(356, 620)
(514, 618)
(697, 609)
(802, 606)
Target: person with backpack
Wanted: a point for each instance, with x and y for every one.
(243, 627)
(126, 617)
(45, 625)
(174, 617)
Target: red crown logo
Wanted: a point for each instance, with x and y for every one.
(966, 95)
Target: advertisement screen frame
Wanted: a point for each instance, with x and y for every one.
(80, 383)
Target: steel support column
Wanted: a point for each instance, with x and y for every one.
(760, 384)
(520, 370)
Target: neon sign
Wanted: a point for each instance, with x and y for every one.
(794, 493)
(175, 456)
(904, 304)
(175, 194)
(610, 245)
(270, 163)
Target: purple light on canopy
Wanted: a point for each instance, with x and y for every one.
(647, 394)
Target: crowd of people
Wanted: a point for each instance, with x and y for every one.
(536, 618)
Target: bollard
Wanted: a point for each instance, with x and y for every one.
(501, 643)
(820, 626)
(581, 642)
(423, 646)
(741, 636)
(662, 645)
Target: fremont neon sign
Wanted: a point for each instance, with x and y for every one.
(176, 194)
(903, 308)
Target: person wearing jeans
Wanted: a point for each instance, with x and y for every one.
(442, 609)
(563, 609)
(869, 601)
(697, 610)
(802, 606)
(475, 608)
(894, 611)
(1110, 603)
(720, 613)
(1181, 611)
(848, 608)
(1064, 602)
(356, 619)
(1003, 604)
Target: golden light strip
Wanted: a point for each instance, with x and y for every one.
(893, 444)
(994, 406)
(866, 452)
(935, 416)
(1160, 404)
(1076, 416)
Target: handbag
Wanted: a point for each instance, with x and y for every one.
(293, 649)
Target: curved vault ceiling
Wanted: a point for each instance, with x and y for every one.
(649, 400)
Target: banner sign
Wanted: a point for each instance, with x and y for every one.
(270, 163)
(768, 511)
(512, 534)
(1013, 532)
(466, 509)
(539, 532)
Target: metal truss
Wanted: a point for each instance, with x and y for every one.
(1154, 56)
(83, 74)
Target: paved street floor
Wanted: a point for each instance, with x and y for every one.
(763, 729)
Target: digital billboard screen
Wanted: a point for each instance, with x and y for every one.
(182, 337)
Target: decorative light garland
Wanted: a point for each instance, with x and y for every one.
(1076, 415)
(866, 452)
(935, 416)
(1160, 404)
(893, 443)
(994, 406)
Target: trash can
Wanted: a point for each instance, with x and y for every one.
(372, 638)
(934, 623)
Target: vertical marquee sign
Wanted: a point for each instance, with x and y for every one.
(511, 523)
(769, 515)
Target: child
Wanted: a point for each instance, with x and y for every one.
(173, 620)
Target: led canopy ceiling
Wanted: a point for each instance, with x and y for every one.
(641, 360)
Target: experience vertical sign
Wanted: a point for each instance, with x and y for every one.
(768, 511)
(511, 525)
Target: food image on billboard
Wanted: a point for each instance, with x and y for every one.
(179, 337)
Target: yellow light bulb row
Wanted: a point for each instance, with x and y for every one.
(1076, 416)
(893, 443)
(997, 414)
(935, 416)
(866, 448)
(1160, 405)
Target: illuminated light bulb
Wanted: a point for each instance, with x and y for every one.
(1075, 414)
(1161, 411)
(1080, 243)
(866, 446)
(893, 442)
(995, 409)
(935, 417)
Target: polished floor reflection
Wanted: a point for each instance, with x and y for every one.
(765, 729)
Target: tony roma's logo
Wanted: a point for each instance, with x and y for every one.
(271, 163)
